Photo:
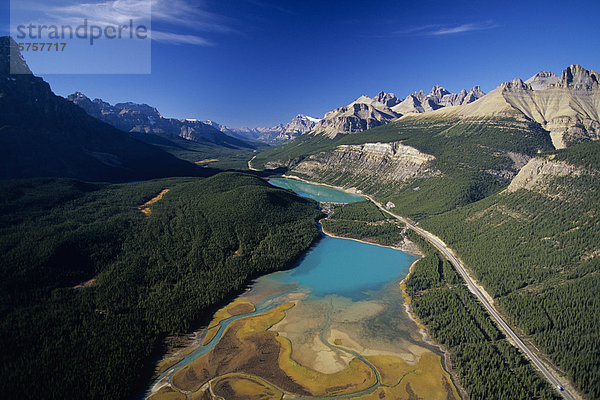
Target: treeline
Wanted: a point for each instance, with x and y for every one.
(488, 366)
(156, 275)
(363, 220)
(537, 253)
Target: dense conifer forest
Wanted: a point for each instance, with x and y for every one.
(155, 275)
(489, 367)
(536, 252)
(364, 221)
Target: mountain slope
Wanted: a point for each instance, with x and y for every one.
(42, 134)
(535, 248)
(568, 107)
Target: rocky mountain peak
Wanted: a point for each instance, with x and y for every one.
(438, 92)
(78, 96)
(134, 108)
(577, 77)
(542, 80)
(472, 95)
(476, 90)
(515, 85)
(364, 99)
(387, 99)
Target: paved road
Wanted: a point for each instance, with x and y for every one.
(442, 247)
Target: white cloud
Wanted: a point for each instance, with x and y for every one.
(195, 17)
(179, 21)
(444, 30)
(464, 28)
(176, 38)
(107, 12)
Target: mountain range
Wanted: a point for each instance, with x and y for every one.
(277, 134)
(142, 118)
(496, 133)
(487, 172)
(47, 135)
(366, 112)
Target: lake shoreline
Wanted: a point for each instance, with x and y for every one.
(330, 234)
(407, 299)
(348, 191)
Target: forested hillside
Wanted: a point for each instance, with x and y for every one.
(489, 367)
(156, 274)
(476, 157)
(536, 250)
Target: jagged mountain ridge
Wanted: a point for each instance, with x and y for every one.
(366, 112)
(142, 118)
(46, 135)
(277, 134)
(568, 107)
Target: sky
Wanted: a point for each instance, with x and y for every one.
(260, 62)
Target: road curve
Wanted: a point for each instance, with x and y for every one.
(508, 331)
(250, 164)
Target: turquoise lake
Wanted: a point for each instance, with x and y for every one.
(347, 268)
(316, 192)
(340, 266)
(339, 285)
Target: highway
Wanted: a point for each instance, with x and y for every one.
(508, 331)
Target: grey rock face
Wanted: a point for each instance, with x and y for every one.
(538, 174)
(578, 78)
(298, 125)
(542, 80)
(387, 99)
(365, 113)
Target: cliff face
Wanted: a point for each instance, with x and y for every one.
(569, 109)
(367, 164)
(539, 175)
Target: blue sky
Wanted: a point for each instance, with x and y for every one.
(260, 62)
